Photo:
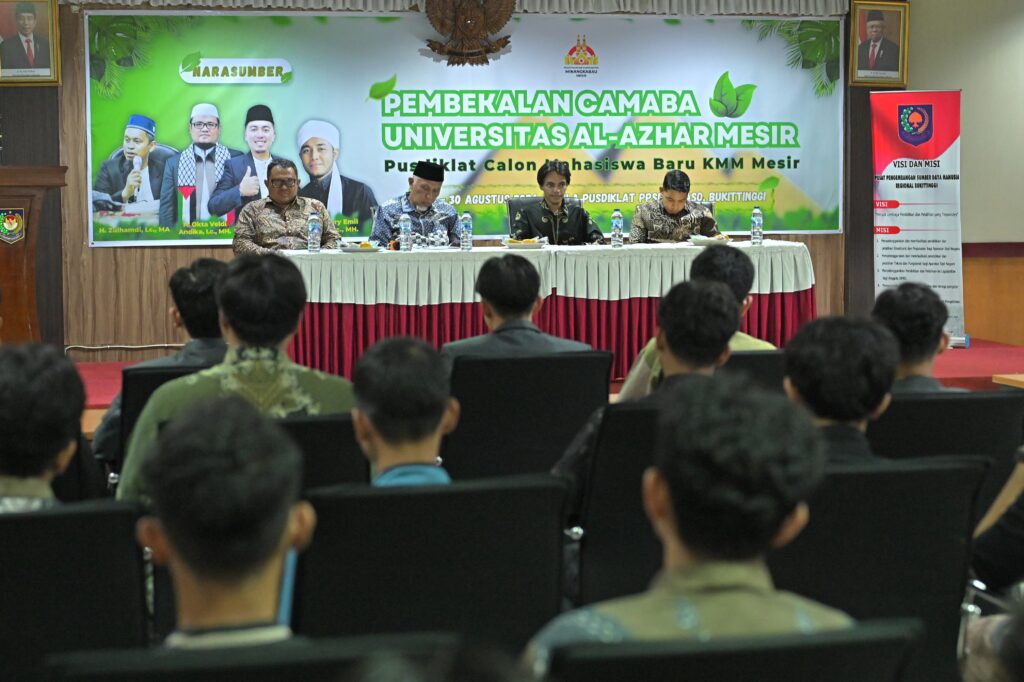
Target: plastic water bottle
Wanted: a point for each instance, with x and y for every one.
(466, 232)
(616, 228)
(405, 233)
(313, 231)
(756, 226)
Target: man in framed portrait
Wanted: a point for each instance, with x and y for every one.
(877, 53)
(25, 49)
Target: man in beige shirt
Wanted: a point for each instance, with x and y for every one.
(280, 221)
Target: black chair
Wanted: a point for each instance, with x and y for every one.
(520, 414)
(765, 368)
(989, 424)
(619, 553)
(330, 453)
(869, 652)
(328, 660)
(481, 558)
(71, 578)
(891, 542)
(137, 385)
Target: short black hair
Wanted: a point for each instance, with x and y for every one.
(554, 166)
(737, 460)
(725, 264)
(24, 8)
(916, 316)
(698, 318)
(403, 386)
(842, 366)
(510, 283)
(192, 289)
(676, 181)
(262, 298)
(41, 403)
(222, 479)
(282, 163)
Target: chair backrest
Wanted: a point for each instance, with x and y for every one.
(329, 660)
(330, 453)
(766, 368)
(514, 204)
(520, 414)
(989, 424)
(613, 520)
(137, 385)
(868, 652)
(71, 578)
(891, 541)
(481, 558)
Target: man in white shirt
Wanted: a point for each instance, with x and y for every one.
(244, 178)
(193, 175)
(136, 175)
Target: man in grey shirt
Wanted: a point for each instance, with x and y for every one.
(509, 290)
(195, 309)
(916, 316)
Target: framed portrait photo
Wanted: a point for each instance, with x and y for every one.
(30, 47)
(878, 43)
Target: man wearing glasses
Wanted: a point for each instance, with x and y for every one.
(194, 173)
(279, 221)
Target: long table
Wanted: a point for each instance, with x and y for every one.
(600, 295)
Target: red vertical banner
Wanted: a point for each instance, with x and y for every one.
(917, 234)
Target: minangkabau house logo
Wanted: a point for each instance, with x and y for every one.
(581, 60)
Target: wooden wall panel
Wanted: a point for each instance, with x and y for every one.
(828, 257)
(992, 299)
(118, 296)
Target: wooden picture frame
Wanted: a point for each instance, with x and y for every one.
(878, 43)
(30, 47)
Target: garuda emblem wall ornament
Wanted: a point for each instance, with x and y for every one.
(468, 25)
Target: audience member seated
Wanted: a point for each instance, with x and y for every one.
(195, 310)
(733, 468)
(261, 299)
(403, 410)
(995, 649)
(509, 290)
(224, 486)
(41, 404)
(725, 264)
(1, 318)
(696, 320)
(916, 316)
(842, 370)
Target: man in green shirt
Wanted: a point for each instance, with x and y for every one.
(261, 299)
(732, 470)
(725, 264)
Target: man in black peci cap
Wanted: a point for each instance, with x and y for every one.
(877, 53)
(421, 204)
(244, 178)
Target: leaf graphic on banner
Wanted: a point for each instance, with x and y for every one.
(287, 76)
(190, 61)
(320, 20)
(281, 21)
(383, 89)
(813, 46)
(387, 20)
(725, 95)
(729, 101)
(673, 22)
(768, 183)
(744, 95)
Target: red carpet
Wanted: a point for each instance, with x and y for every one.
(102, 382)
(973, 367)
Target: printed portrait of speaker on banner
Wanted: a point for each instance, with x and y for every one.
(181, 138)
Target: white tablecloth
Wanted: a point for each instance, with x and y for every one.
(593, 272)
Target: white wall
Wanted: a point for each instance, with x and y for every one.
(978, 47)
